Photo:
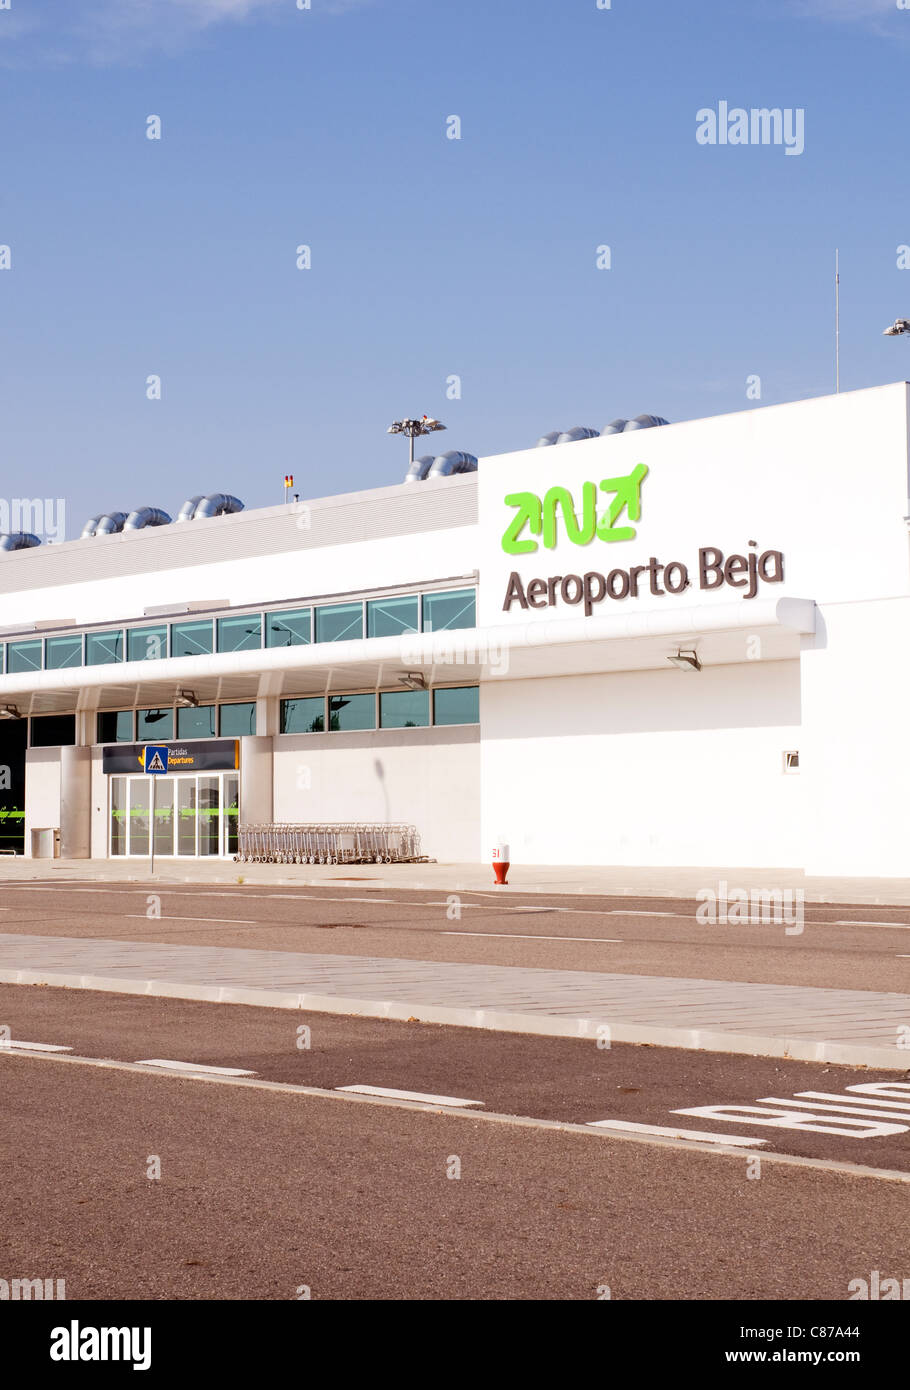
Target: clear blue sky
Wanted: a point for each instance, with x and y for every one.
(429, 256)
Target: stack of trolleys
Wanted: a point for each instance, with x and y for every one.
(347, 842)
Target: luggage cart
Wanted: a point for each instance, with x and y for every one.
(348, 842)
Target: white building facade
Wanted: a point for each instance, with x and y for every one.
(683, 646)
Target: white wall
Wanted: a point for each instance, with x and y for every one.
(856, 750)
(428, 777)
(645, 767)
(272, 579)
(42, 791)
(824, 481)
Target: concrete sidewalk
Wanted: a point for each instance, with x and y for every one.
(592, 880)
(853, 1027)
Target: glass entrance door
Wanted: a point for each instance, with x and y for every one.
(195, 817)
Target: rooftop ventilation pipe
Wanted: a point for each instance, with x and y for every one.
(453, 461)
(419, 469)
(644, 422)
(189, 506)
(107, 524)
(566, 436)
(146, 516)
(18, 540)
(214, 504)
(576, 432)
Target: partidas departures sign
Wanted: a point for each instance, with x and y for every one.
(538, 521)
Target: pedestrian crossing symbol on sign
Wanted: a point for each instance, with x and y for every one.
(155, 758)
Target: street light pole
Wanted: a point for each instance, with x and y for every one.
(414, 429)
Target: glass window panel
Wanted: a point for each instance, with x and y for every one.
(236, 721)
(459, 705)
(288, 629)
(118, 815)
(140, 806)
(23, 656)
(390, 617)
(303, 716)
(352, 712)
(103, 648)
(154, 725)
(52, 731)
(62, 651)
(340, 622)
(230, 811)
(186, 815)
(191, 639)
(209, 815)
(146, 643)
(240, 634)
(164, 815)
(454, 608)
(115, 726)
(196, 723)
(404, 709)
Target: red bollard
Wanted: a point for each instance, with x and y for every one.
(501, 863)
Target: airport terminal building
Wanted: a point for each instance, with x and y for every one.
(678, 646)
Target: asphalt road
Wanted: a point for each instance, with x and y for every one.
(561, 1079)
(644, 936)
(262, 1193)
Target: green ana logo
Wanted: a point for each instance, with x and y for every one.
(540, 517)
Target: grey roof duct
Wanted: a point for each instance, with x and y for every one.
(214, 504)
(644, 422)
(452, 461)
(576, 432)
(18, 540)
(419, 469)
(107, 524)
(189, 506)
(566, 436)
(146, 516)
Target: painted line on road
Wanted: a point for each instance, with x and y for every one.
(194, 1067)
(634, 912)
(16, 1044)
(904, 926)
(668, 1132)
(213, 921)
(525, 936)
(407, 1095)
(837, 1166)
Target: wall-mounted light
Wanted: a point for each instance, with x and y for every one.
(9, 712)
(414, 680)
(187, 700)
(685, 661)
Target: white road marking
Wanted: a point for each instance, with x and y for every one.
(629, 912)
(14, 1043)
(524, 936)
(407, 1095)
(192, 1066)
(904, 925)
(307, 897)
(823, 1107)
(823, 1165)
(215, 921)
(668, 1132)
